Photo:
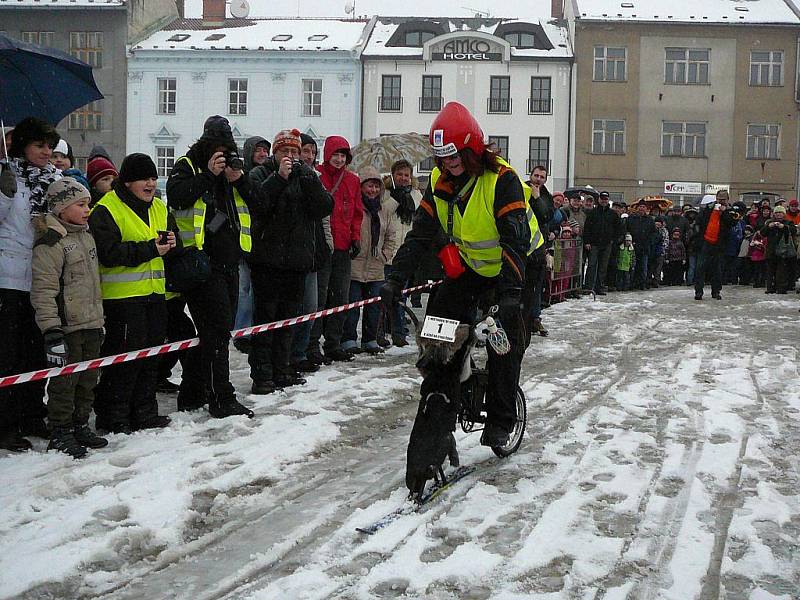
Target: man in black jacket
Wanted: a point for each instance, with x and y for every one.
(642, 228)
(713, 224)
(603, 228)
(536, 268)
(210, 199)
(292, 202)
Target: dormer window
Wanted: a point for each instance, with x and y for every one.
(520, 39)
(416, 39)
(215, 36)
(283, 37)
(179, 37)
(317, 38)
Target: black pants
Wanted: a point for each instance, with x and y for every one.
(179, 327)
(336, 282)
(21, 350)
(277, 295)
(777, 271)
(745, 270)
(126, 394)
(458, 299)
(535, 270)
(213, 309)
(673, 273)
(759, 270)
(598, 267)
(709, 266)
(730, 270)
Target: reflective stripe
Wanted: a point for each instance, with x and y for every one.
(483, 263)
(537, 239)
(246, 230)
(130, 277)
(186, 235)
(483, 245)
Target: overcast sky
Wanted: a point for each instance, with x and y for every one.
(524, 9)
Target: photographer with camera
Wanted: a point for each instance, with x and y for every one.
(209, 196)
(713, 225)
(291, 202)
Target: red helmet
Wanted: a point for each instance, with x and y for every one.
(454, 129)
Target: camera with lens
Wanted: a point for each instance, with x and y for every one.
(234, 161)
(298, 166)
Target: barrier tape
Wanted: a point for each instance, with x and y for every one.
(97, 363)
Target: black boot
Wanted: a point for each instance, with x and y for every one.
(63, 440)
(305, 366)
(399, 340)
(227, 407)
(285, 380)
(86, 437)
(262, 387)
(13, 441)
(156, 422)
(494, 436)
(190, 400)
(339, 355)
(35, 428)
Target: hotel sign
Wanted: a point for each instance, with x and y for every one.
(466, 49)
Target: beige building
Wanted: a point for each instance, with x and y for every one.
(679, 98)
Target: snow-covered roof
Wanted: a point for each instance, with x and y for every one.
(385, 28)
(258, 34)
(688, 11)
(62, 3)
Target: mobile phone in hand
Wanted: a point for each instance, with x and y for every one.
(162, 237)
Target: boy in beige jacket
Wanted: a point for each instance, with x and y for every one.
(65, 293)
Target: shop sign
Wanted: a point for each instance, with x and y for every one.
(466, 49)
(683, 187)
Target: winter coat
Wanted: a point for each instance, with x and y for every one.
(679, 221)
(65, 289)
(545, 210)
(602, 227)
(17, 236)
(774, 235)
(735, 237)
(642, 229)
(758, 248)
(402, 228)
(626, 258)
(744, 247)
(676, 252)
(347, 209)
(661, 242)
(287, 218)
(248, 149)
(365, 267)
(725, 223)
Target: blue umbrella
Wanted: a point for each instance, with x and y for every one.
(42, 82)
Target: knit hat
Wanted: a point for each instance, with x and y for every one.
(628, 237)
(217, 132)
(98, 150)
(63, 193)
(794, 202)
(369, 172)
(286, 138)
(779, 209)
(31, 129)
(98, 168)
(137, 166)
(307, 139)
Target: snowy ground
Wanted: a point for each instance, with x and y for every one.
(661, 461)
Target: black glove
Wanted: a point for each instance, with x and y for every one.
(510, 316)
(405, 208)
(391, 293)
(8, 181)
(56, 348)
(355, 248)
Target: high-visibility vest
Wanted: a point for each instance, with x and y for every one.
(192, 221)
(475, 233)
(148, 277)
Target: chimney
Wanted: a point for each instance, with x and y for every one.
(214, 13)
(557, 9)
(180, 5)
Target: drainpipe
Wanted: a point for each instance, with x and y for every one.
(569, 124)
(361, 115)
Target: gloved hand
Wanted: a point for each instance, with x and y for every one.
(391, 293)
(355, 248)
(56, 348)
(510, 316)
(8, 182)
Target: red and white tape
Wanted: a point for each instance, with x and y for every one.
(116, 359)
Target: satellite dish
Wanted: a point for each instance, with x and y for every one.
(240, 9)
(349, 7)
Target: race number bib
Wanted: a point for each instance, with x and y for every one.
(437, 328)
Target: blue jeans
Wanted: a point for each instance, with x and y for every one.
(302, 332)
(399, 317)
(369, 324)
(691, 269)
(244, 312)
(640, 276)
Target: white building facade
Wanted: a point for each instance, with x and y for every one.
(263, 75)
(513, 76)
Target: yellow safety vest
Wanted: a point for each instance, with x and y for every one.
(144, 279)
(475, 233)
(191, 221)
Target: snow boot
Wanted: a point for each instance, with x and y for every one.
(63, 440)
(156, 422)
(399, 340)
(494, 436)
(35, 428)
(13, 441)
(262, 388)
(86, 437)
(228, 406)
(285, 380)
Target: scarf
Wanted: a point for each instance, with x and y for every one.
(37, 180)
(373, 208)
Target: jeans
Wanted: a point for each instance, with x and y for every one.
(598, 267)
(338, 293)
(640, 275)
(399, 317)
(709, 265)
(244, 311)
(302, 332)
(691, 269)
(623, 280)
(369, 324)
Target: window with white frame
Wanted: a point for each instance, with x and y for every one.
(766, 67)
(608, 136)
(763, 141)
(312, 97)
(43, 38)
(167, 95)
(165, 160)
(237, 96)
(87, 46)
(500, 144)
(687, 66)
(683, 139)
(88, 117)
(609, 63)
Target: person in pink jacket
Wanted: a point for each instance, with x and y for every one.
(348, 212)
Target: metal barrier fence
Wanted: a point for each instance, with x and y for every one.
(566, 274)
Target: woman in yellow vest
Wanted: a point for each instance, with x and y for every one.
(475, 214)
(208, 194)
(125, 224)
